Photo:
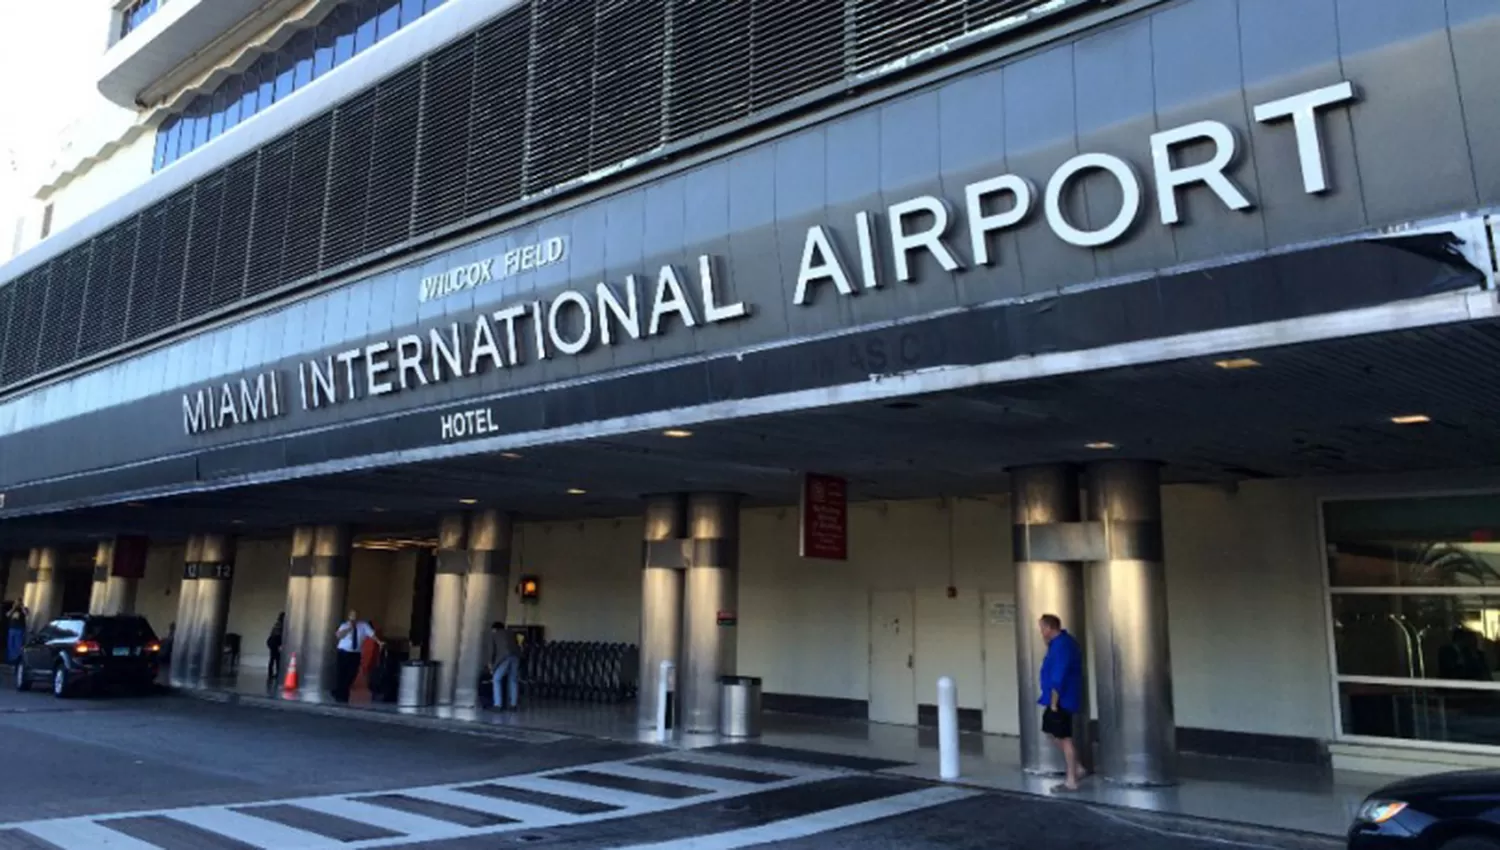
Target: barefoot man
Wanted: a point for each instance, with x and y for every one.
(1062, 689)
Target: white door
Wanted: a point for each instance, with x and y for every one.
(893, 678)
(1000, 709)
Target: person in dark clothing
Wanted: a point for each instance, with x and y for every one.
(15, 631)
(505, 666)
(273, 643)
(1062, 693)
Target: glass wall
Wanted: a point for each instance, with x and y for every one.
(1415, 598)
(349, 29)
(135, 14)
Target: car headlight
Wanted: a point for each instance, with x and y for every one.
(1379, 811)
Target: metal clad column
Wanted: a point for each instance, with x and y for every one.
(104, 558)
(448, 603)
(661, 596)
(327, 589)
(710, 615)
(215, 578)
(1043, 496)
(48, 586)
(485, 592)
(1137, 731)
(127, 564)
(299, 579)
(185, 638)
(28, 593)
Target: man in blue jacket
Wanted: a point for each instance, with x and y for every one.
(1062, 693)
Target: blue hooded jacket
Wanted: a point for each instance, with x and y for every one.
(1062, 671)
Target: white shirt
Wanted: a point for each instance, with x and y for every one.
(355, 638)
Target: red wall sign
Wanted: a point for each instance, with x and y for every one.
(825, 517)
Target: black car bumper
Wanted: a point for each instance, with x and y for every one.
(1391, 835)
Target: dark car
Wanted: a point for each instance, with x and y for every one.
(82, 651)
(1446, 811)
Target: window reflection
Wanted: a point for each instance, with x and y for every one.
(350, 28)
(1428, 714)
(1417, 637)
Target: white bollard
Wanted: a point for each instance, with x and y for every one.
(947, 729)
(663, 693)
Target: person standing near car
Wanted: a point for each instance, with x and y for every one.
(351, 636)
(505, 665)
(15, 632)
(1062, 693)
(273, 643)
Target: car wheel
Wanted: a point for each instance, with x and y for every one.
(23, 677)
(60, 687)
(1471, 842)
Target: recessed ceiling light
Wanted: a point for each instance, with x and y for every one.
(378, 510)
(1411, 419)
(1099, 446)
(678, 433)
(1237, 363)
(467, 501)
(575, 491)
(510, 455)
(237, 522)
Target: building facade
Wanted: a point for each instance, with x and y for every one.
(1172, 318)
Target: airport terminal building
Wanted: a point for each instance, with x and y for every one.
(826, 342)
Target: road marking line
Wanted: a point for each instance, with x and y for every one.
(691, 780)
(628, 801)
(414, 826)
(817, 822)
(264, 833)
(531, 816)
(84, 834)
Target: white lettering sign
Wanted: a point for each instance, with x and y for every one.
(463, 424)
(515, 261)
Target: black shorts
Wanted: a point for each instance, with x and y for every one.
(1058, 724)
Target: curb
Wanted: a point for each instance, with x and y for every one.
(436, 724)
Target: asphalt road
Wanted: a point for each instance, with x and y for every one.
(181, 774)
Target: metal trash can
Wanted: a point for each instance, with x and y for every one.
(739, 707)
(418, 684)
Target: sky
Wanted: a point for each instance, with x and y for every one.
(49, 54)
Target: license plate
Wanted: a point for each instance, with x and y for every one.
(122, 650)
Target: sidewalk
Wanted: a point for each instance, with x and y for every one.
(1274, 795)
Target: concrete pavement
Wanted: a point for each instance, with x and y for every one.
(163, 772)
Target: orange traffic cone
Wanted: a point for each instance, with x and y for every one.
(290, 684)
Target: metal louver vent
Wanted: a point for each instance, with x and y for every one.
(234, 233)
(26, 324)
(628, 80)
(394, 160)
(203, 248)
(348, 180)
(273, 198)
(497, 140)
(544, 93)
(447, 90)
(887, 30)
(305, 197)
(796, 46)
(562, 93)
(710, 50)
(64, 313)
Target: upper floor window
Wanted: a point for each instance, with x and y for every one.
(349, 29)
(135, 14)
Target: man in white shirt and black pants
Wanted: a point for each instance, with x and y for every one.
(352, 634)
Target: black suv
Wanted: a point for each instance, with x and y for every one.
(81, 650)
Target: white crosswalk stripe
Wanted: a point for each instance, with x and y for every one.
(389, 817)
